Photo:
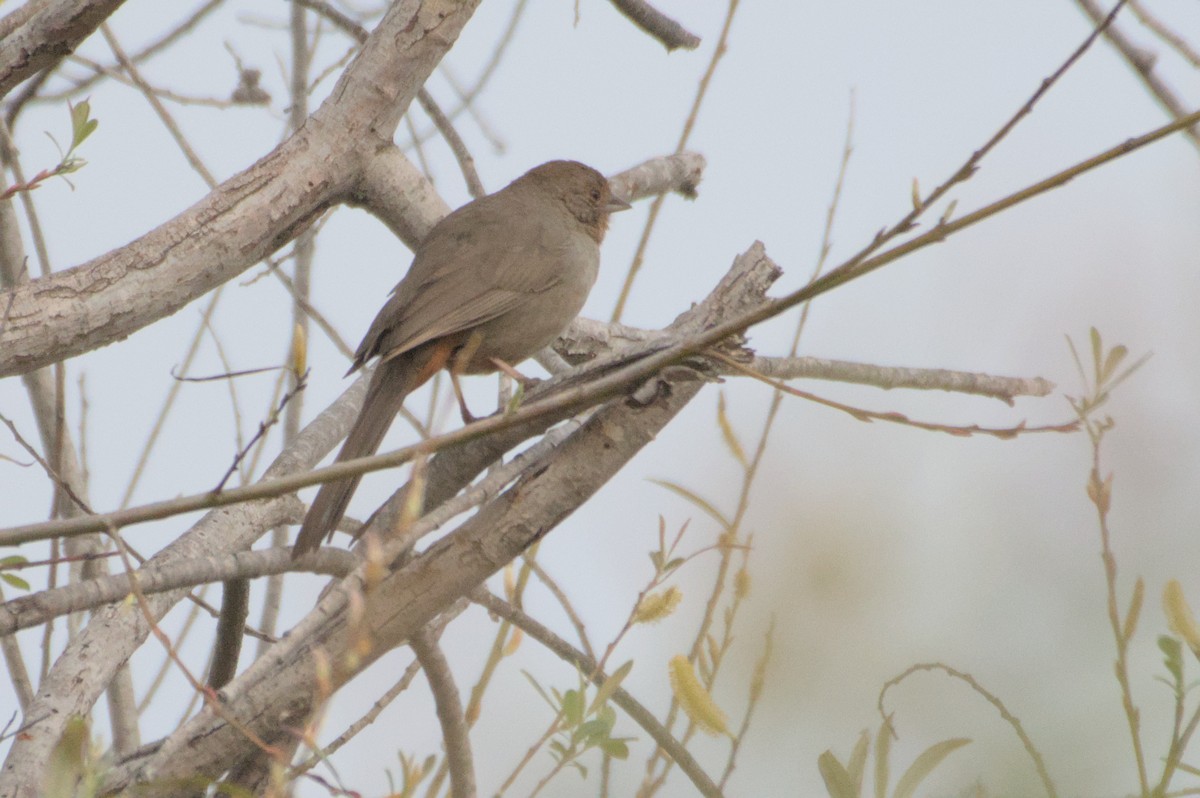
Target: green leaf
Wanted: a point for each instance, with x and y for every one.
(610, 686)
(15, 581)
(617, 749)
(1075, 357)
(593, 731)
(679, 490)
(837, 781)
(514, 403)
(924, 764)
(80, 113)
(858, 761)
(1172, 651)
(572, 708)
(1135, 609)
(1113, 360)
(1124, 375)
(81, 125)
(727, 432)
(540, 691)
(13, 559)
(713, 649)
(949, 212)
(68, 762)
(883, 751)
(88, 129)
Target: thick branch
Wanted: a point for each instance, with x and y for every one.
(30, 42)
(247, 217)
(91, 594)
(88, 664)
(280, 688)
(657, 24)
(888, 377)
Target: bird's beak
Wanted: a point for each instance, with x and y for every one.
(616, 204)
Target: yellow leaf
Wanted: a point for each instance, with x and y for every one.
(514, 641)
(741, 584)
(656, 606)
(1179, 615)
(727, 433)
(694, 699)
(299, 353)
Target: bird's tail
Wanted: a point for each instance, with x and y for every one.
(392, 381)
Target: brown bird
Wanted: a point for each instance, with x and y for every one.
(494, 282)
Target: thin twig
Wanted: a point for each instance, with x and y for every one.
(59, 482)
(1142, 63)
(274, 267)
(499, 146)
(440, 120)
(144, 54)
(757, 682)
(894, 417)
(1009, 718)
(263, 426)
(564, 601)
(639, 254)
(165, 94)
(148, 614)
(168, 121)
(614, 379)
(168, 404)
(638, 713)
(231, 384)
(974, 383)
(164, 668)
(1173, 40)
(457, 146)
(455, 737)
(467, 97)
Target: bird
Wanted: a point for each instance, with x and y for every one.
(490, 285)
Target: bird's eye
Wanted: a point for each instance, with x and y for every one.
(596, 194)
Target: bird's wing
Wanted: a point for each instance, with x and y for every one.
(464, 274)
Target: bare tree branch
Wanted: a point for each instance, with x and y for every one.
(455, 734)
(279, 688)
(39, 35)
(1142, 62)
(657, 24)
(888, 377)
(33, 610)
(248, 216)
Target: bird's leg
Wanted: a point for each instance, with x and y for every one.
(512, 372)
(467, 416)
(458, 365)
